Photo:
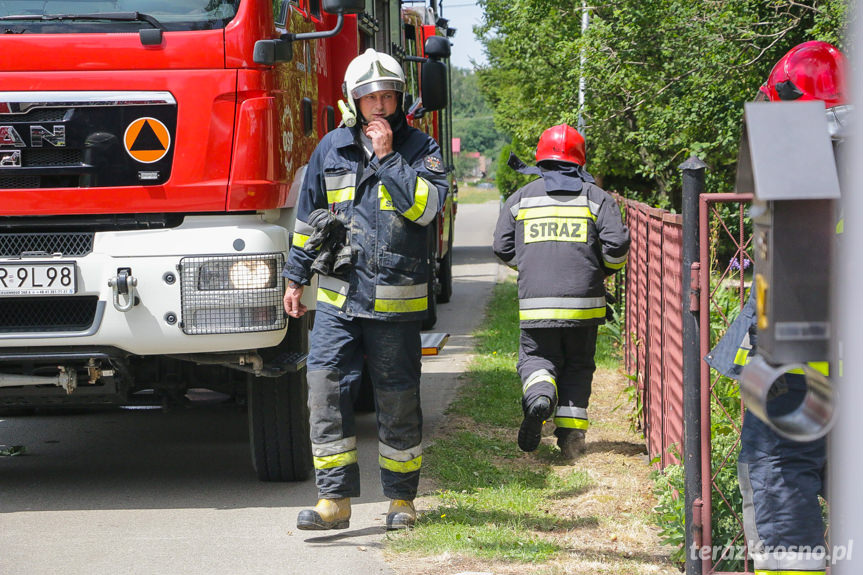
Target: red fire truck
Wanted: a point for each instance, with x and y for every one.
(151, 153)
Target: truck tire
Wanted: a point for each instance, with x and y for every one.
(365, 401)
(431, 315)
(445, 276)
(279, 419)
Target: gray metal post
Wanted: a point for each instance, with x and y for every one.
(845, 466)
(693, 186)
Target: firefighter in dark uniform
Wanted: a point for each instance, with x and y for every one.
(565, 236)
(375, 186)
(781, 479)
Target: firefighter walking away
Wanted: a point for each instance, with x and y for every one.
(565, 236)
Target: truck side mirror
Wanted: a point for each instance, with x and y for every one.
(268, 52)
(437, 47)
(433, 84)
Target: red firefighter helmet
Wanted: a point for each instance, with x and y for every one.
(809, 71)
(562, 143)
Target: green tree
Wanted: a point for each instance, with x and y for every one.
(664, 78)
(473, 122)
(467, 100)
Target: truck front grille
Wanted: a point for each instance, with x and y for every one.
(38, 115)
(52, 157)
(13, 182)
(70, 244)
(47, 314)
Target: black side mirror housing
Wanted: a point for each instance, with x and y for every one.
(433, 82)
(268, 52)
(437, 47)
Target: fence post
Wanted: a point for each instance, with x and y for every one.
(693, 185)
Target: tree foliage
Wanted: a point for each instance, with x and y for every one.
(664, 78)
(473, 121)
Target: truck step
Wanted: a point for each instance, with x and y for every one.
(433, 342)
(287, 362)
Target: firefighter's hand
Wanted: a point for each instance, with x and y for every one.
(292, 300)
(381, 135)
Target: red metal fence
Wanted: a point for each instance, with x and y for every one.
(654, 325)
(654, 353)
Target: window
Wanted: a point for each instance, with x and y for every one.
(281, 9)
(172, 14)
(315, 9)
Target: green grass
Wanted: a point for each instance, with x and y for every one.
(493, 502)
(468, 194)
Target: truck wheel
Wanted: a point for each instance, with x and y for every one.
(445, 277)
(365, 401)
(431, 317)
(279, 419)
(279, 427)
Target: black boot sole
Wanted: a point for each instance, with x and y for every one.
(309, 520)
(398, 521)
(530, 432)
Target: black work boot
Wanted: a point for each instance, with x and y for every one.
(571, 444)
(535, 415)
(327, 514)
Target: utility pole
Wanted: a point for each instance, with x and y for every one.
(585, 21)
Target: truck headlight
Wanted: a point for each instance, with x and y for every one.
(252, 274)
(232, 294)
(228, 274)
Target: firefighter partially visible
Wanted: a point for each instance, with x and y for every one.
(565, 236)
(374, 186)
(781, 479)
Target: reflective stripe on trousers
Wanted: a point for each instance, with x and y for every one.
(569, 417)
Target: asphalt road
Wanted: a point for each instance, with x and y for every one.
(173, 493)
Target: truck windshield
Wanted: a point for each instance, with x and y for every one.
(83, 16)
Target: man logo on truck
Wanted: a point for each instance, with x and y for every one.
(56, 136)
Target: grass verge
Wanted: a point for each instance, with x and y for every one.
(468, 194)
(488, 507)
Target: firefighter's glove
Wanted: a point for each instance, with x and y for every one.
(323, 221)
(344, 256)
(323, 264)
(335, 255)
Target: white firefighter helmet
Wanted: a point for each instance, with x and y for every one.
(370, 72)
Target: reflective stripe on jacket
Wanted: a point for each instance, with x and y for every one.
(565, 235)
(386, 205)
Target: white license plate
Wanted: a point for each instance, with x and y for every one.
(37, 278)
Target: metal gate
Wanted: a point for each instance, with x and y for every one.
(657, 281)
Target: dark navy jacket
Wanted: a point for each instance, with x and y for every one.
(565, 235)
(386, 204)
